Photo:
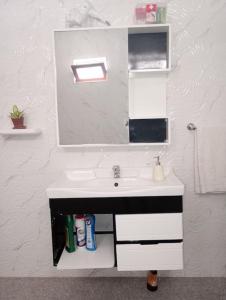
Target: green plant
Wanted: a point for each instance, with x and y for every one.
(16, 113)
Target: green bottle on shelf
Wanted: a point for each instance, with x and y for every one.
(69, 230)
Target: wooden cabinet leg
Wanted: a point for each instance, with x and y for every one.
(152, 280)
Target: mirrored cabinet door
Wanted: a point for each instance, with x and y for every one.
(92, 111)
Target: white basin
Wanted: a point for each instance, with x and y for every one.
(117, 183)
(87, 184)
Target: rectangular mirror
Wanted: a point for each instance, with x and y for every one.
(111, 85)
(92, 86)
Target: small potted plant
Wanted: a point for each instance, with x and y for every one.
(17, 118)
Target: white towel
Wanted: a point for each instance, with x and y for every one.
(210, 160)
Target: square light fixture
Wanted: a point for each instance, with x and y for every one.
(91, 69)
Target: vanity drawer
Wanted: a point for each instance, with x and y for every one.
(138, 227)
(136, 257)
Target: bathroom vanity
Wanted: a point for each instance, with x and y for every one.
(125, 106)
(147, 229)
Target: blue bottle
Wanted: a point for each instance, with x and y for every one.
(90, 233)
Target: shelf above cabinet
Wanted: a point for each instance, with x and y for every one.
(103, 257)
(144, 28)
(17, 132)
(135, 71)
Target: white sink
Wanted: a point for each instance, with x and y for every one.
(112, 183)
(100, 183)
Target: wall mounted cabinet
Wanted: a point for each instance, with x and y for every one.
(138, 58)
(149, 62)
(147, 233)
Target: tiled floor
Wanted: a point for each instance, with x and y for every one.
(111, 288)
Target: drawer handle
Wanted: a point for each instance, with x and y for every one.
(148, 243)
(154, 242)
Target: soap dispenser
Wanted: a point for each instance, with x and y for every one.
(158, 172)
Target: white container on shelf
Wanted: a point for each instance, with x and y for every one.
(151, 12)
(140, 13)
(80, 230)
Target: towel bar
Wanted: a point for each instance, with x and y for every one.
(191, 126)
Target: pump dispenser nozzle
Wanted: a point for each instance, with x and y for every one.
(158, 172)
(157, 161)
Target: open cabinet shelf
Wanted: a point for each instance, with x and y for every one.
(103, 257)
(149, 130)
(149, 49)
(149, 71)
(148, 66)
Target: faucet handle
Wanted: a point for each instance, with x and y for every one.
(116, 167)
(116, 171)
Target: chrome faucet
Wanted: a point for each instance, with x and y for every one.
(116, 170)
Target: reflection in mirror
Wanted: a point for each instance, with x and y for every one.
(90, 69)
(92, 111)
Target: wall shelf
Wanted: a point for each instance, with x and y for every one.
(144, 28)
(166, 70)
(103, 257)
(17, 132)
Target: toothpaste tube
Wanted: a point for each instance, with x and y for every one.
(90, 233)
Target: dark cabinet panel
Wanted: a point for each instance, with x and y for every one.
(128, 205)
(148, 51)
(148, 130)
(58, 235)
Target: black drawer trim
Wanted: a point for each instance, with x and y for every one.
(150, 242)
(118, 205)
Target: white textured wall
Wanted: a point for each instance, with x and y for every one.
(196, 92)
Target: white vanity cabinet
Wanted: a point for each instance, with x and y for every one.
(149, 241)
(159, 256)
(149, 227)
(147, 233)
